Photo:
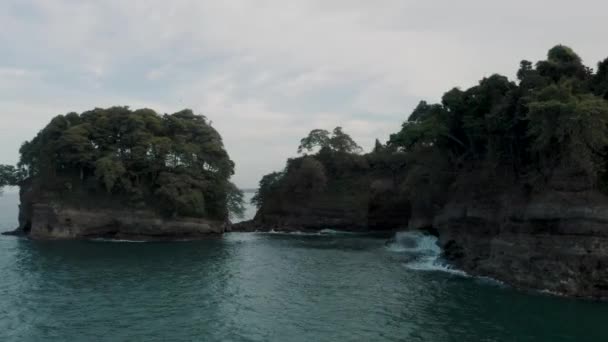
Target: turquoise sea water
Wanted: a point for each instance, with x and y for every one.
(267, 287)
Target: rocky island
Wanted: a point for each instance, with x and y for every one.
(121, 174)
(511, 176)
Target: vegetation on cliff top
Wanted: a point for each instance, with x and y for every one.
(173, 163)
(9, 176)
(554, 119)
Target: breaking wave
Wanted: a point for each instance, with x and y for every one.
(422, 250)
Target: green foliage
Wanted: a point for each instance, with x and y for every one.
(427, 127)
(181, 195)
(268, 184)
(236, 202)
(10, 176)
(109, 171)
(378, 147)
(316, 138)
(337, 141)
(306, 176)
(600, 80)
(174, 162)
(342, 142)
(570, 128)
(557, 114)
(562, 62)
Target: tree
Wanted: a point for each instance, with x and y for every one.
(337, 141)
(236, 205)
(600, 80)
(342, 142)
(109, 171)
(316, 138)
(176, 163)
(268, 184)
(10, 176)
(556, 114)
(308, 176)
(569, 129)
(378, 147)
(562, 62)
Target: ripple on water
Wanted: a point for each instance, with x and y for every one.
(267, 287)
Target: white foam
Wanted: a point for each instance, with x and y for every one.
(424, 250)
(415, 242)
(431, 264)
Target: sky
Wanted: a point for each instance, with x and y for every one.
(266, 72)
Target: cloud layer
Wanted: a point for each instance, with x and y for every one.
(266, 72)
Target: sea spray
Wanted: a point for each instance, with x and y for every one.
(423, 250)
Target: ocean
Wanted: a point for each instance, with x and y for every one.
(329, 286)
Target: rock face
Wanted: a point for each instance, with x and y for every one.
(366, 206)
(555, 240)
(48, 222)
(44, 219)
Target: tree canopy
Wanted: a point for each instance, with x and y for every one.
(9, 176)
(176, 163)
(337, 141)
(268, 184)
(553, 118)
(556, 115)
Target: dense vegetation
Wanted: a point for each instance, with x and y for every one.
(9, 176)
(336, 158)
(553, 120)
(174, 163)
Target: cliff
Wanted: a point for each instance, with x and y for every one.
(333, 190)
(554, 239)
(46, 216)
(370, 209)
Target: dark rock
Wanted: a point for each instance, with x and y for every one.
(555, 240)
(43, 216)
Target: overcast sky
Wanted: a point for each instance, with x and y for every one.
(268, 71)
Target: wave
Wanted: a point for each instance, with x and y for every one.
(424, 251)
(434, 265)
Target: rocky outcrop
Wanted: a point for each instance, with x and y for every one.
(43, 218)
(49, 222)
(367, 205)
(554, 240)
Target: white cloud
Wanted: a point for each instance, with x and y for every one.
(266, 72)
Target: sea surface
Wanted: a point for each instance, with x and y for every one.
(329, 286)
